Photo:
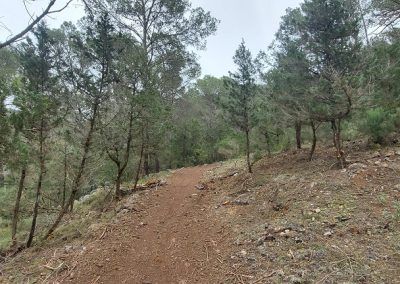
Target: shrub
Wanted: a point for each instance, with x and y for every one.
(377, 123)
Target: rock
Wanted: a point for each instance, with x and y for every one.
(298, 240)
(328, 233)
(356, 167)
(287, 233)
(201, 187)
(240, 202)
(390, 154)
(68, 248)
(123, 211)
(342, 218)
(397, 187)
(260, 242)
(278, 207)
(317, 210)
(269, 237)
(376, 155)
(295, 279)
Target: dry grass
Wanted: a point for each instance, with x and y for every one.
(308, 222)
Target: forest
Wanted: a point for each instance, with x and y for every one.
(118, 96)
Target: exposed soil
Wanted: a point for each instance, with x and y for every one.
(171, 239)
(311, 222)
(291, 221)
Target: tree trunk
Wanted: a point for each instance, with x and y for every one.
(38, 188)
(314, 141)
(64, 190)
(248, 151)
(118, 193)
(298, 134)
(17, 205)
(157, 163)
(122, 166)
(78, 177)
(139, 166)
(146, 166)
(1, 173)
(268, 141)
(337, 140)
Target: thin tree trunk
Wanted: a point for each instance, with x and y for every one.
(78, 177)
(364, 22)
(157, 163)
(336, 129)
(1, 173)
(314, 141)
(17, 205)
(38, 188)
(139, 166)
(146, 162)
(118, 192)
(298, 134)
(248, 151)
(64, 190)
(146, 166)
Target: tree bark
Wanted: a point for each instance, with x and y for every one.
(336, 129)
(268, 141)
(1, 173)
(17, 205)
(38, 187)
(139, 166)
(157, 163)
(298, 134)
(146, 165)
(64, 190)
(248, 151)
(314, 141)
(118, 192)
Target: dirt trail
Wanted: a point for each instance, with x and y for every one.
(172, 239)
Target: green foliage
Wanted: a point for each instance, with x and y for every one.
(377, 123)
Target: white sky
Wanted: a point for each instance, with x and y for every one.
(256, 21)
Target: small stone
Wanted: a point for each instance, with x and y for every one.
(328, 233)
(376, 155)
(260, 242)
(390, 153)
(298, 240)
(270, 237)
(317, 210)
(68, 248)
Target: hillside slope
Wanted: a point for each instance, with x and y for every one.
(308, 222)
(292, 221)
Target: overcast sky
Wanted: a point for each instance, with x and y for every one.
(256, 21)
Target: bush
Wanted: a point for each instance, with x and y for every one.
(377, 123)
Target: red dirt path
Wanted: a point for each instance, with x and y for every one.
(174, 239)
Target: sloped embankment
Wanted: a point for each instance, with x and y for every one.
(307, 222)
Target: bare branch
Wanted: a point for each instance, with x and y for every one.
(46, 12)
